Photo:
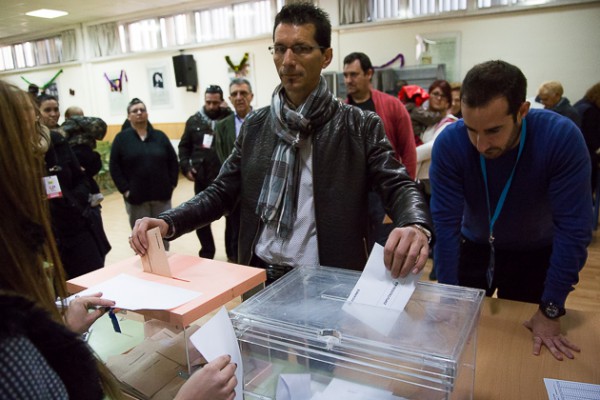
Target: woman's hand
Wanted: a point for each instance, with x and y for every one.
(78, 317)
(215, 381)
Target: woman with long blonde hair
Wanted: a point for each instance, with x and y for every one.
(41, 352)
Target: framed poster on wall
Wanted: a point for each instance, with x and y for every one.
(159, 86)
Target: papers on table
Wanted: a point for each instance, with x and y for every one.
(376, 294)
(567, 390)
(131, 293)
(217, 337)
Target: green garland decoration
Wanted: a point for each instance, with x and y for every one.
(240, 66)
(42, 88)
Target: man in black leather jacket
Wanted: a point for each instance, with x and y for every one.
(197, 156)
(301, 170)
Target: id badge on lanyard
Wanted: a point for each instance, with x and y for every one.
(489, 275)
(52, 187)
(492, 218)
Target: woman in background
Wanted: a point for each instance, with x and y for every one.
(80, 249)
(440, 100)
(41, 352)
(143, 165)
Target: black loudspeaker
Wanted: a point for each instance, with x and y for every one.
(185, 71)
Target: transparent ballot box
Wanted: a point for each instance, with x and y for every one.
(300, 338)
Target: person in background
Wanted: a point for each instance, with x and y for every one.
(301, 170)
(550, 94)
(42, 354)
(81, 249)
(358, 73)
(50, 113)
(143, 165)
(82, 133)
(438, 109)
(226, 132)
(589, 111)
(73, 111)
(511, 201)
(455, 106)
(198, 160)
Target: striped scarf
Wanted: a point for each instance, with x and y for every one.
(279, 195)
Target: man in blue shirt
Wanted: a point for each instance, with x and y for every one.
(510, 201)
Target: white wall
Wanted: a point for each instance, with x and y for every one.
(559, 43)
(551, 44)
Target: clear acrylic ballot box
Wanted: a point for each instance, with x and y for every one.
(301, 339)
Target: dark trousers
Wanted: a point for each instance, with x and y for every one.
(80, 254)
(518, 275)
(207, 242)
(378, 231)
(232, 230)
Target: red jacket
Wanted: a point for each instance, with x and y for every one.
(398, 128)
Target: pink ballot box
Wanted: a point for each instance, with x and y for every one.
(218, 282)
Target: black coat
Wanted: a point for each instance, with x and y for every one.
(147, 169)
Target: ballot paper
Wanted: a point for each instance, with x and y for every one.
(131, 293)
(567, 390)
(378, 299)
(340, 389)
(293, 387)
(217, 337)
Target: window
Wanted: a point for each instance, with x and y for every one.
(34, 53)
(143, 35)
(6, 58)
(212, 25)
(252, 19)
(177, 30)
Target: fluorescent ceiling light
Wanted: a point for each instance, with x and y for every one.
(44, 13)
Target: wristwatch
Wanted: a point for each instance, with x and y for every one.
(551, 310)
(424, 230)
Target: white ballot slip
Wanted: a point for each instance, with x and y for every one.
(217, 337)
(131, 293)
(155, 260)
(376, 286)
(376, 294)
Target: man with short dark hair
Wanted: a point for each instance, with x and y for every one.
(226, 131)
(358, 72)
(301, 170)
(511, 201)
(197, 157)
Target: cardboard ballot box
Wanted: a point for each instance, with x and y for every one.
(300, 338)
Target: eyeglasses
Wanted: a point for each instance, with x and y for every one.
(138, 111)
(279, 50)
(437, 95)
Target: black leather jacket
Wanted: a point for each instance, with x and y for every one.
(351, 155)
(192, 150)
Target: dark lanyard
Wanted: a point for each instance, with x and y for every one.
(500, 204)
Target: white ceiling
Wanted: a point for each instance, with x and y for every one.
(15, 24)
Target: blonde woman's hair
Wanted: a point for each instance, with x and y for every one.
(30, 265)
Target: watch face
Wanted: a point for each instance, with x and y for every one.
(552, 311)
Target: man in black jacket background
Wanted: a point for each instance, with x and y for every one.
(197, 157)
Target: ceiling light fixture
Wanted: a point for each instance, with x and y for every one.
(45, 13)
